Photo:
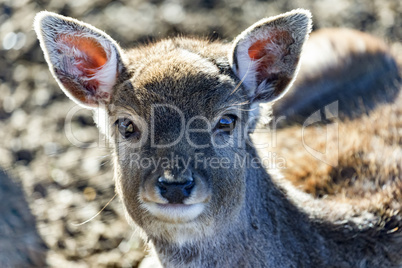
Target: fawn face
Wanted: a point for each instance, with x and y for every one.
(182, 107)
(177, 112)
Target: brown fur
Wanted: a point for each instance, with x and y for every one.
(369, 150)
(369, 168)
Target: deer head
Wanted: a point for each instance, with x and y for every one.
(177, 113)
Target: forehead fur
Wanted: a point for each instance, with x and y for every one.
(180, 72)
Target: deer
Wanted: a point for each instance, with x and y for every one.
(20, 243)
(179, 114)
(334, 53)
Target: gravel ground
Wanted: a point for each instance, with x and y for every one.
(65, 168)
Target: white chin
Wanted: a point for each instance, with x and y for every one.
(174, 213)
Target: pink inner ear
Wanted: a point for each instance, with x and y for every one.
(85, 56)
(269, 51)
(257, 50)
(91, 54)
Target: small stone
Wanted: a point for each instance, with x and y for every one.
(89, 193)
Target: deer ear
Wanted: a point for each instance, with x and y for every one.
(84, 60)
(265, 57)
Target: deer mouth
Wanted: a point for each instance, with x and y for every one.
(175, 213)
(175, 202)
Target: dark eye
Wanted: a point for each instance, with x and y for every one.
(227, 123)
(127, 128)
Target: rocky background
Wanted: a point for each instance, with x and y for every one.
(64, 165)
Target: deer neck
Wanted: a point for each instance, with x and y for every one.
(269, 231)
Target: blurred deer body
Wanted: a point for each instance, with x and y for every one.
(343, 65)
(178, 113)
(20, 243)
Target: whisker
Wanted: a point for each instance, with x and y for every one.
(99, 212)
(242, 80)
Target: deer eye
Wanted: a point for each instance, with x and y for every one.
(227, 123)
(127, 128)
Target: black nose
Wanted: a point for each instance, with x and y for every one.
(175, 192)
